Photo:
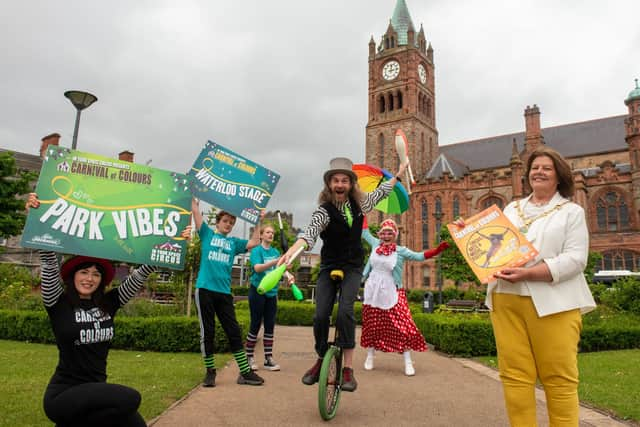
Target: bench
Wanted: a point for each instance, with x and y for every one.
(461, 305)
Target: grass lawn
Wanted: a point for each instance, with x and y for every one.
(161, 378)
(609, 380)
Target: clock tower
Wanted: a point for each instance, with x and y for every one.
(401, 96)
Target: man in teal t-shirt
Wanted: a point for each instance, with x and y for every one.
(213, 292)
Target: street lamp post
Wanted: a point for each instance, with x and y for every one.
(438, 216)
(80, 100)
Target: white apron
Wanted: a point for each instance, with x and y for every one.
(379, 290)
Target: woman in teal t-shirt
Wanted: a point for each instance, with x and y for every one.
(263, 259)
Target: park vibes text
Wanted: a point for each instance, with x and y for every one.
(84, 223)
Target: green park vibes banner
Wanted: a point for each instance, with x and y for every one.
(108, 208)
(232, 182)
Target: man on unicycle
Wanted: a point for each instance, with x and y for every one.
(338, 222)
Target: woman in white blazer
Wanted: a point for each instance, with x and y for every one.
(536, 309)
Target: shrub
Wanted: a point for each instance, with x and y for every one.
(624, 295)
(284, 292)
(143, 307)
(457, 334)
(165, 334)
(597, 289)
(16, 284)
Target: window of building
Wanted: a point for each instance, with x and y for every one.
(164, 276)
(438, 214)
(381, 150)
(612, 212)
(426, 277)
(425, 224)
(381, 104)
(492, 200)
(620, 259)
(456, 207)
(399, 99)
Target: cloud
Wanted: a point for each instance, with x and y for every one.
(285, 83)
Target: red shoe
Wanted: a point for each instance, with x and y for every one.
(311, 376)
(349, 382)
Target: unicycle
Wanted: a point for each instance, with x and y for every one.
(330, 378)
(330, 381)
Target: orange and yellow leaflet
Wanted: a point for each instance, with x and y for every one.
(489, 242)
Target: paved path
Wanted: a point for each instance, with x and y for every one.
(444, 392)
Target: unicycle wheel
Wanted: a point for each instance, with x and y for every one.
(329, 383)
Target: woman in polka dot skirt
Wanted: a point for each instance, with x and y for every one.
(387, 324)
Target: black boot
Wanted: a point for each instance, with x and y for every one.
(209, 378)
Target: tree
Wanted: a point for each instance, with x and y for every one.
(13, 184)
(594, 259)
(453, 266)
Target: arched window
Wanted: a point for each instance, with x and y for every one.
(456, 207)
(429, 108)
(399, 99)
(438, 214)
(386, 43)
(612, 212)
(381, 149)
(425, 224)
(492, 200)
(381, 103)
(620, 259)
(390, 102)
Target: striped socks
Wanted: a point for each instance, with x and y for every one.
(210, 362)
(251, 343)
(268, 345)
(241, 360)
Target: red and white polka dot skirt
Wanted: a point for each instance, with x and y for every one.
(393, 330)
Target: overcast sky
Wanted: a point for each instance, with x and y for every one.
(284, 82)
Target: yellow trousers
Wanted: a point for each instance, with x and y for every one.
(530, 348)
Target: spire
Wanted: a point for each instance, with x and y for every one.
(402, 22)
(515, 156)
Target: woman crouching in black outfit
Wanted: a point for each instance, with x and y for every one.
(81, 315)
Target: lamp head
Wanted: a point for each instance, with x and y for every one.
(80, 99)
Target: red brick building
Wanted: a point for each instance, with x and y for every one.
(463, 178)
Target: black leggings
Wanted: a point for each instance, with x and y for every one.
(93, 404)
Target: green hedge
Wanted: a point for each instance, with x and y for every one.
(455, 334)
(284, 293)
(166, 334)
(298, 313)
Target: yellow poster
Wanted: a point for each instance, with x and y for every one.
(489, 242)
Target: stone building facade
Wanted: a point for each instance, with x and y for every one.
(463, 178)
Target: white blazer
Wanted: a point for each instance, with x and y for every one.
(562, 240)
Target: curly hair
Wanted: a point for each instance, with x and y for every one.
(355, 193)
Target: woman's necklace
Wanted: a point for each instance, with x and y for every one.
(526, 222)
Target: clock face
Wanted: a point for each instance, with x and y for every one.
(422, 73)
(390, 70)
